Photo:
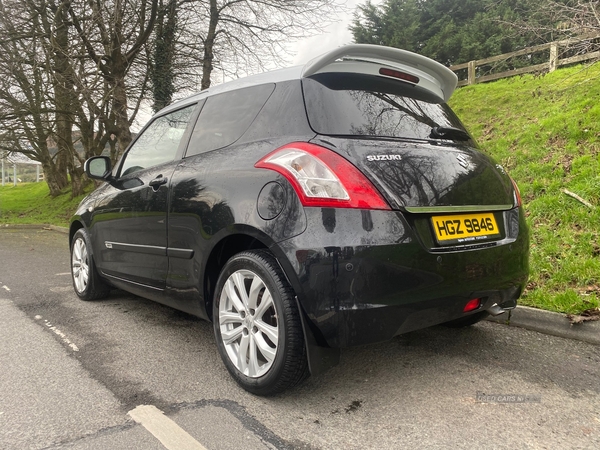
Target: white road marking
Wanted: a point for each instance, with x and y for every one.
(59, 333)
(171, 435)
(62, 274)
(6, 287)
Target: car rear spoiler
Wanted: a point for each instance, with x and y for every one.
(367, 59)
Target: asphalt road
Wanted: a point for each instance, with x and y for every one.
(73, 371)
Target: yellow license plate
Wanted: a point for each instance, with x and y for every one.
(465, 228)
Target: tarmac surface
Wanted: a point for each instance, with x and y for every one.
(128, 373)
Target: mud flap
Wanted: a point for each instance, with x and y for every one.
(320, 358)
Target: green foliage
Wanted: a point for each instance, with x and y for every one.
(31, 203)
(449, 31)
(546, 132)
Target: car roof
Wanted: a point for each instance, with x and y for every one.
(354, 58)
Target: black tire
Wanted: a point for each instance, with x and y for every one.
(265, 351)
(87, 283)
(468, 320)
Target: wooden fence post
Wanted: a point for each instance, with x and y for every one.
(471, 73)
(553, 57)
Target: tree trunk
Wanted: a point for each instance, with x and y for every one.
(55, 180)
(64, 99)
(78, 181)
(120, 105)
(162, 72)
(209, 43)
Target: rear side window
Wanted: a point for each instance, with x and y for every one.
(347, 106)
(226, 117)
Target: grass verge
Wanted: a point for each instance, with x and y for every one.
(29, 203)
(546, 132)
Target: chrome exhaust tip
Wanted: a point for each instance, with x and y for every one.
(496, 310)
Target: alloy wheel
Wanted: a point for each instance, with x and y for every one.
(248, 323)
(80, 265)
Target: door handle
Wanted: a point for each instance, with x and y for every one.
(158, 182)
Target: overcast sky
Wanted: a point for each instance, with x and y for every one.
(336, 35)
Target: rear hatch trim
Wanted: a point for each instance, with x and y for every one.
(360, 58)
(456, 209)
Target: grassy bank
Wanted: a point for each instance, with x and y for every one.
(546, 132)
(31, 203)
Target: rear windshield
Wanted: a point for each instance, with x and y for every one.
(349, 105)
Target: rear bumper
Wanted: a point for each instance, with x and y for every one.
(365, 276)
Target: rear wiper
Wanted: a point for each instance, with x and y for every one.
(449, 133)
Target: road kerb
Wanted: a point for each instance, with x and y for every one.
(547, 322)
(30, 226)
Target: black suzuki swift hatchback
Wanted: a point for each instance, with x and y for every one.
(304, 210)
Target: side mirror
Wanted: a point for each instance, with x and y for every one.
(98, 167)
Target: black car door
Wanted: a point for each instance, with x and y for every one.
(199, 207)
(129, 222)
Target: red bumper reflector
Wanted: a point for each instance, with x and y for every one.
(472, 305)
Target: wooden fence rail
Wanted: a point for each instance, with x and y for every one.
(553, 63)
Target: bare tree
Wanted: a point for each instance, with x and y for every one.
(52, 17)
(113, 35)
(71, 69)
(78, 71)
(576, 21)
(27, 111)
(241, 37)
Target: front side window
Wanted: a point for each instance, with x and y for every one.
(158, 143)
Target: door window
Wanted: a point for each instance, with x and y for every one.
(158, 143)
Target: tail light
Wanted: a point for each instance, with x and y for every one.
(322, 178)
(518, 201)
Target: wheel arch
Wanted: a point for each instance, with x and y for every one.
(221, 252)
(75, 226)
(320, 356)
